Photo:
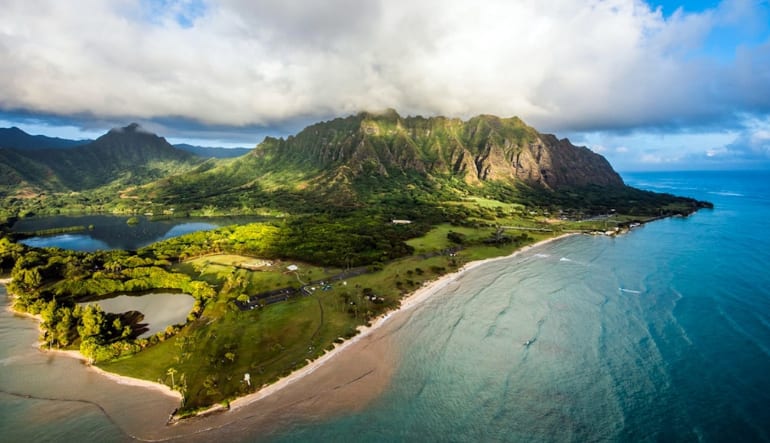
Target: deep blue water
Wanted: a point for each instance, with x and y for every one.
(659, 335)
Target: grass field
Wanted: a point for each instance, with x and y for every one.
(210, 356)
(436, 239)
(216, 270)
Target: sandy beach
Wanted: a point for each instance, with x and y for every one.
(410, 301)
(343, 380)
(119, 379)
(123, 380)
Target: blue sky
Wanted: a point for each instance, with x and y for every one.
(651, 85)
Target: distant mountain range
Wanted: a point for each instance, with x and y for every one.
(15, 138)
(342, 162)
(209, 152)
(124, 156)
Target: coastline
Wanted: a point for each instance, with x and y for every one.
(410, 301)
(117, 378)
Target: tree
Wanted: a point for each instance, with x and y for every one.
(89, 349)
(171, 372)
(32, 278)
(456, 237)
(64, 326)
(91, 322)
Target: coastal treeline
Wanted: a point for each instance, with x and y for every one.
(51, 282)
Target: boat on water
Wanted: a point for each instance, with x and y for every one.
(529, 342)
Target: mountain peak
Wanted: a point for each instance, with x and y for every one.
(481, 149)
(133, 128)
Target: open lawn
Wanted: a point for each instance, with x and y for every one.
(436, 239)
(237, 270)
(493, 204)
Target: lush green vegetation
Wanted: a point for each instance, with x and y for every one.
(50, 282)
(221, 342)
(212, 354)
(335, 190)
(451, 223)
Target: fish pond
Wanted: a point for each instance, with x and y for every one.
(160, 310)
(100, 232)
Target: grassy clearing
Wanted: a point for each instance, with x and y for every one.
(483, 252)
(493, 204)
(217, 270)
(210, 357)
(436, 239)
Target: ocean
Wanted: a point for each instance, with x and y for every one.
(662, 334)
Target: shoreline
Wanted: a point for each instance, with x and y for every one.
(117, 378)
(410, 301)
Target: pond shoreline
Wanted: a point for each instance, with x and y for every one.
(91, 232)
(73, 354)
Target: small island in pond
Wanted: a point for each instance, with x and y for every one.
(357, 213)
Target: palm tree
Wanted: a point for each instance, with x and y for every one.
(171, 372)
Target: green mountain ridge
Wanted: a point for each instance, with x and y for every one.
(122, 157)
(15, 138)
(345, 161)
(481, 149)
(397, 167)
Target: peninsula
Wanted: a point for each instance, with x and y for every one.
(358, 213)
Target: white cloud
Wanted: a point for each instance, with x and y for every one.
(715, 152)
(559, 64)
(654, 159)
(753, 143)
(640, 150)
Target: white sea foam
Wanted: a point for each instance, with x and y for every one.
(726, 193)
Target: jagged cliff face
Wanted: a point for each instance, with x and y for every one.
(481, 149)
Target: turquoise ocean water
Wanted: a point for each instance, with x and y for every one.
(659, 335)
(662, 334)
